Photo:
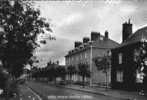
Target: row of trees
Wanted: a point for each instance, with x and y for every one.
(82, 70)
(52, 71)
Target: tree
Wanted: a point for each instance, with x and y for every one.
(61, 71)
(21, 25)
(84, 71)
(71, 70)
(51, 71)
(3, 78)
(54, 73)
(103, 64)
(141, 59)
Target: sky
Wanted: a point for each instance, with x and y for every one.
(71, 20)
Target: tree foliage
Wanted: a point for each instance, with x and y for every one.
(21, 25)
(51, 72)
(61, 71)
(71, 70)
(102, 63)
(141, 61)
(84, 71)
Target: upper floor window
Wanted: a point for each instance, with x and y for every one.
(85, 55)
(120, 58)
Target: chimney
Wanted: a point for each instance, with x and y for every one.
(77, 44)
(95, 36)
(126, 30)
(106, 34)
(86, 40)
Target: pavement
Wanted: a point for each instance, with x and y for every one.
(126, 95)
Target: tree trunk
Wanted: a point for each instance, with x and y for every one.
(55, 80)
(70, 78)
(106, 80)
(83, 78)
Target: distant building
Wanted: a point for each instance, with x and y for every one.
(124, 72)
(86, 51)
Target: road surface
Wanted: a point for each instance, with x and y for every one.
(43, 91)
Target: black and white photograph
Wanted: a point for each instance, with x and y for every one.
(73, 49)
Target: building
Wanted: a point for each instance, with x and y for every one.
(124, 71)
(86, 51)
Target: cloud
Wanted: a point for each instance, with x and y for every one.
(53, 50)
(70, 19)
(73, 20)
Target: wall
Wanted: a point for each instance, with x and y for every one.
(85, 57)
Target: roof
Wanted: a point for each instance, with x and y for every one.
(101, 43)
(139, 36)
(105, 43)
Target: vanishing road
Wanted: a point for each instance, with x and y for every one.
(43, 91)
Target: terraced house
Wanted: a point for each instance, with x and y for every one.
(84, 52)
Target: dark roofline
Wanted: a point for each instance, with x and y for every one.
(129, 42)
(88, 46)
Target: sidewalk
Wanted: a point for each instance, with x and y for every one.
(109, 92)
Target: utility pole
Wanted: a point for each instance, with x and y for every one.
(91, 65)
(107, 66)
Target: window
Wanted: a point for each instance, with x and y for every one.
(81, 55)
(69, 60)
(101, 38)
(120, 58)
(119, 76)
(85, 55)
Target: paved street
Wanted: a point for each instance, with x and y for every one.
(25, 93)
(28, 94)
(33, 90)
(50, 92)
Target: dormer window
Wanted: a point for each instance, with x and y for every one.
(120, 58)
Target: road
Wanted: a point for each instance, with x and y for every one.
(27, 93)
(43, 91)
